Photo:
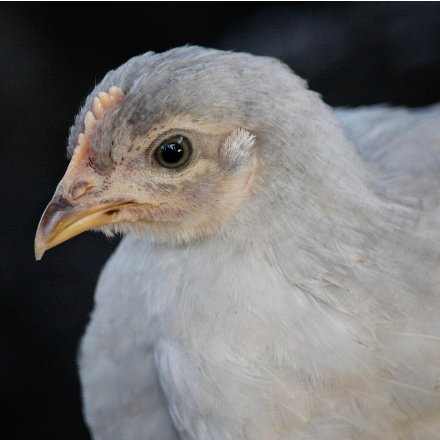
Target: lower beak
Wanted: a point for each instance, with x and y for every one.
(63, 220)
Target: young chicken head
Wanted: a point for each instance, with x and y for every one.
(163, 147)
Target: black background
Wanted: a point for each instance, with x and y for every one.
(50, 59)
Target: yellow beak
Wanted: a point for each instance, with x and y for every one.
(63, 220)
(73, 208)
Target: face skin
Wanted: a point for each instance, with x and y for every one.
(137, 192)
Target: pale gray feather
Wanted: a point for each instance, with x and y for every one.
(313, 313)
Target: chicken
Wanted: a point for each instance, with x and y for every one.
(279, 278)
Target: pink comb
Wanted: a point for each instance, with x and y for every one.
(101, 103)
(80, 163)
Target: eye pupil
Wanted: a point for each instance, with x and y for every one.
(171, 153)
(174, 152)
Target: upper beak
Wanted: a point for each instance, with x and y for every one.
(73, 208)
(62, 220)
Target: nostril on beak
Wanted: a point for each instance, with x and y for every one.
(79, 189)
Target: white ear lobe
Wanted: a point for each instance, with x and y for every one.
(236, 150)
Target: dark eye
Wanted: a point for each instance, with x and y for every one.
(174, 152)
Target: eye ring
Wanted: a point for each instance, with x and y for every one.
(174, 153)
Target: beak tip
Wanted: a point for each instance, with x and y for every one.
(39, 252)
